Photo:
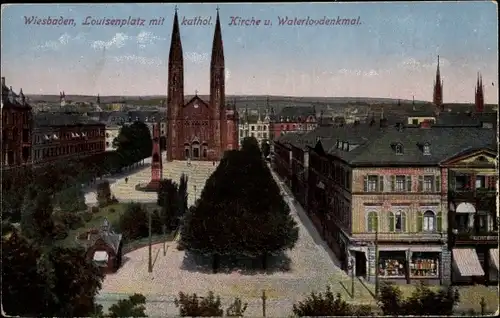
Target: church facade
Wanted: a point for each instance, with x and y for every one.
(199, 129)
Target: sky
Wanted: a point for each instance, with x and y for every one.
(390, 53)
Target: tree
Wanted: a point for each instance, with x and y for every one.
(183, 195)
(36, 217)
(251, 145)
(46, 281)
(168, 200)
(326, 304)
(194, 306)
(134, 142)
(134, 306)
(240, 211)
(133, 223)
(74, 281)
(265, 148)
(423, 301)
(71, 198)
(22, 286)
(103, 193)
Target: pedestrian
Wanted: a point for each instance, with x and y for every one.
(126, 180)
(213, 163)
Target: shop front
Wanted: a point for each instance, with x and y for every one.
(475, 265)
(404, 264)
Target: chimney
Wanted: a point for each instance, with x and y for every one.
(425, 124)
(3, 81)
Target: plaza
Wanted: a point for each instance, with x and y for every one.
(312, 267)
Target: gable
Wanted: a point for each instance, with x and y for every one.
(480, 158)
(319, 148)
(196, 108)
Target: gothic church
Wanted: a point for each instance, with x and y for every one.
(198, 129)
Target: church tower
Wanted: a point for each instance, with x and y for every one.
(438, 90)
(217, 90)
(479, 96)
(175, 94)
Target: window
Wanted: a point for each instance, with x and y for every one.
(373, 183)
(399, 149)
(480, 182)
(414, 121)
(428, 183)
(372, 222)
(428, 221)
(427, 149)
(253, 128)
(397, 221)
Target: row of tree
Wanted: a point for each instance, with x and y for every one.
(240, 211)
(63, 180)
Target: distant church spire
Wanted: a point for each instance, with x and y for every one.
(479, 98)
(438, 89)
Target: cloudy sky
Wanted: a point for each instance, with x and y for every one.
(392, 52)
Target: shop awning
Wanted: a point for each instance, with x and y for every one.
(100, 256)
(467, 262)
(465, 207)
(494, 257)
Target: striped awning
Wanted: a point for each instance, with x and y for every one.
(494, 257)
(467, 262)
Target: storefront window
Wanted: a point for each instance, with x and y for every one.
(424, 265)
(392, 264)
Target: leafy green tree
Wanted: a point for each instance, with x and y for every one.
(71, 198)
(74, 281)
(240, 211)
(265, 148)
(36, 217)
(134, 306)
(134, 142)
(183, 195)
(133, 223)
(168, 200)
(103, 193)
(22, 286)
(251, 145)
(326, 304)
(423, 301)
(194, 306)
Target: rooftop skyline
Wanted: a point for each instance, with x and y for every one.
(390, 53)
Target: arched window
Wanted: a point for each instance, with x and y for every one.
(372, 222)
(427, 221)
(397, 221)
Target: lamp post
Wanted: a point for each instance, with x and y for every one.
(150, 260)
(376, 262)
(351, 268)
(164, 229)
(194, 193)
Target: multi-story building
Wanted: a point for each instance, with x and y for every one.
(377, 187)
(294, 119)
(59, 136)
(473, 230)
(257, 126)
(17, 125)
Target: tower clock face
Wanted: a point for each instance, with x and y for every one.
(196, 105)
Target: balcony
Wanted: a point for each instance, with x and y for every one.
(475, 236)
(471, 195)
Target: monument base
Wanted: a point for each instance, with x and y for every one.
(152, 186)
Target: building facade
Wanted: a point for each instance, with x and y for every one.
(473, 230)
(17, 126)
(378, 195)
(294, 119)
(258, 127)
(198, 129)
(65, 136)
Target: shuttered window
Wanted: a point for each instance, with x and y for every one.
(372, 222)
(439, 221)
(438, 184)
(420, 183)
(408, 183)
(420, 221)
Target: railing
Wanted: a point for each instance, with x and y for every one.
(400, 236)
(476, 236)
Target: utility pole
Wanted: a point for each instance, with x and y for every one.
(264, 303)
(376, 261)
(150, 263)
(164, 228)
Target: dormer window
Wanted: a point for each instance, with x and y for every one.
(346, 146)
(338, 144)
(427, 149)
(399, 149)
